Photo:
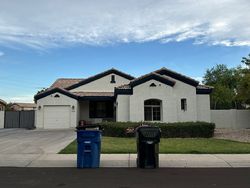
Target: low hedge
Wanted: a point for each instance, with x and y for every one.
(168, 130)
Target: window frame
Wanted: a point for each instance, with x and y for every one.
(106, 112)
(184, 104)
(153, 109)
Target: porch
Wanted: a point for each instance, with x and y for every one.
(97, 107)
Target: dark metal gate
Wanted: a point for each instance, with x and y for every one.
(19, 119)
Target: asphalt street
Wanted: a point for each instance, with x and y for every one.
(125, 177)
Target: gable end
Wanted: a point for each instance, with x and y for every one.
(98, 76)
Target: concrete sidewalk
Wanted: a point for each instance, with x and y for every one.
(128, 160)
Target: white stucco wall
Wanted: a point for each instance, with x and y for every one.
(102, 85)
(1, 119)
(122, 108)
(144, 92)
(233, 119)
(131, 107)
(203, 108)
(182, 90)
(63, 100)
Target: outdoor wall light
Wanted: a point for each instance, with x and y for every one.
(73, 107)
(39, 107)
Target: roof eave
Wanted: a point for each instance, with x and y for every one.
(204, 91)
(178, 76)
(52, 91)
(152, 77)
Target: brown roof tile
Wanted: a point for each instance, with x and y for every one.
(124, 86)
(25, 105)
(204, 87)
(176, 73)
(95, 94)
(65, 82)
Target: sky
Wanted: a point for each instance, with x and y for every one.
(41, 41)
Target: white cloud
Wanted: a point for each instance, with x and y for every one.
(45, 24)
(24, 98)
(200, 79)
(1, 54)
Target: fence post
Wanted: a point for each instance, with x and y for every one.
(4, 124)
(19, 124)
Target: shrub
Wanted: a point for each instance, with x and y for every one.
(168, 130)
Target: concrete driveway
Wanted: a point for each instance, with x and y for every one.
(22, 141)
(20, 147)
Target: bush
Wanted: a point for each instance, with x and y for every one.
(168, 130)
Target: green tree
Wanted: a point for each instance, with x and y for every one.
(41, 90)
(244, 82)
(224, 81)
(246, 61)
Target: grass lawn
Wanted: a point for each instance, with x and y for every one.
(170, 145)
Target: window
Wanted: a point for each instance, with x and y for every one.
(184, 104)
(152, 85)
(101, 109)
(112, 79)
(152, 110)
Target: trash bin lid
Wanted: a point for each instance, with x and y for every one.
(149, 131)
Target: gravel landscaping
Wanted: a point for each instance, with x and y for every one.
(242, 135)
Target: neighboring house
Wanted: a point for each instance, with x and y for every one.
(162, 96)
(22, 106)
(3, 105)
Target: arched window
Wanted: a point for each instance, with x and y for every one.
(152, 110)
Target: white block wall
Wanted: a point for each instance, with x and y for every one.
(1, 119)
(203, 108)
(233, 119)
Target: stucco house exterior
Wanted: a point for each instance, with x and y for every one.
(162, 95)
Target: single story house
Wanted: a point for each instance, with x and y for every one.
(3, 105)
(22, 106)
(162, 95)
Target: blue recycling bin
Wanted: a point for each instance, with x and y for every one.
(88, 148)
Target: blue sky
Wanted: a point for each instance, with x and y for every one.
(78, 39)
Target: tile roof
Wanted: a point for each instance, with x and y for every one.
(204, 87)
(128, 86)
(155, 75)
(95, 94)
(124, 86)
(164, 68)
(65, 82)
(25, 105)
(177, 76)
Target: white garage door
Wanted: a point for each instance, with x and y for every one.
(56, 117)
